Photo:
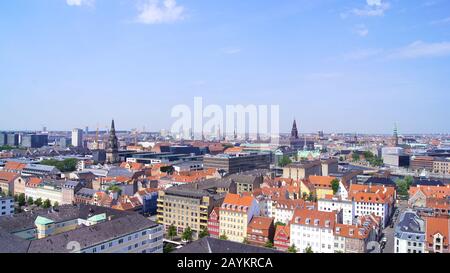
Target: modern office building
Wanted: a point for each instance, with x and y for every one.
(235, 163)
(34, 141)
(77, 137)
(12, 139)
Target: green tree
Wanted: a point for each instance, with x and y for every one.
(115, 188)
(21, 199)
(292, 249)
(308, 249)
(284, 161)
(279, 224)
(187, 234)
(56, 204)
(47, 204)
(355, 157)
(38, 202)
(403, 185)
(304, 196)
(66, 165)
(245, 241)
(30, 201)
(311, 197)
(335, 185)
(172, 232)
(268, 244)
(168, 248)
(203, 233)
(223, 237)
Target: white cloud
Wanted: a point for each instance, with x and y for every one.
(80, 2)
(361, 30)
(420, 49)
(159, 12)
(231, 50)
(372, 8)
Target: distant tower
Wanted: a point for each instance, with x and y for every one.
(294, 131)
(395, 135)
(235, 134)
(112, 153)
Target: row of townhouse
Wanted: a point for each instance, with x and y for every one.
(322, 233)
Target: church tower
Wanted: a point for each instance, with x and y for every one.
(112, 153)
(294, 131)
(395, 136)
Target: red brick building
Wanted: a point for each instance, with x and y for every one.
(213, 223)
(260, 230)
(282, 239)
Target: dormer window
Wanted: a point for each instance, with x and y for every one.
(316, 222)
(338, 230)
(351, 232)
(327, 223)
(307, 221)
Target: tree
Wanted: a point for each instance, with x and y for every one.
(279, 224)
(203, 233)
(47, 204)
(335, 185)
(308, 249)
(403, 185)
(223, 237)
(115, 188)
(172, 232)
(355, 157)
(38, 202)
(187, 234)
(292, 249)
(245, 241)
(30, 201)
(268, 244)
(168, 248)
(66, 165)
(56, 204)
(285, 160)
(304, 196)
(311, 197)
(21, 199)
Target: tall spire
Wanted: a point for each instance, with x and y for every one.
(294, 131)
(395, 135)
(112, 155)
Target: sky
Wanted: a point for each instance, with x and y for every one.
(334, 65)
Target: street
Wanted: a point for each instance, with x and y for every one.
(389, 232)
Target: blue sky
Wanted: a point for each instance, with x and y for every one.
(335, 65)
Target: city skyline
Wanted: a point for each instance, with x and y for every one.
(74, 63)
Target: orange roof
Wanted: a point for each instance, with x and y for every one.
(283, 231)
(33, 181)
(321, 181)
(8, 177)
(238, 200)
(262, 223)
(132, 166)
(371, 194)
(431, 191)
(308, 217)
(14, 166)
(436, 225)
(233, 150)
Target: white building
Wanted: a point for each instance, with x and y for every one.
(77, 137)
(313, 228)
(284, 209)
(336, 204)
(6, 206)
(410, 234)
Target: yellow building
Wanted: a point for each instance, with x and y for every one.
(235, 214)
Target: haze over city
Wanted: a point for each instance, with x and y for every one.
(338, 66)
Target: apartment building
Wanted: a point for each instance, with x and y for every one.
(410, 234)
(331, 203)
(437, 234)
(188, 205)
(313, 228)
(260, 230)
(356, 238)
(284, 209)
(235, 163)
(6, 206)
(235, 214)
(376, 200)
(322, 185)
(282, 238)
(441, 167)
(80, 229)
(214, 223)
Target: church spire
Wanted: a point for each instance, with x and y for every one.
(294, 131)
